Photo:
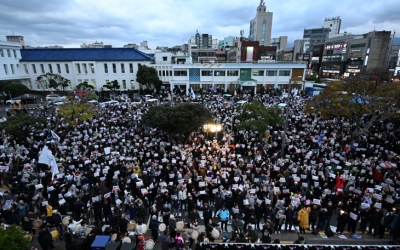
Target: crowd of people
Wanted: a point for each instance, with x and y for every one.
(114, 169)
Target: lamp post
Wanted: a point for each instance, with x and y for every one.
(287, 116)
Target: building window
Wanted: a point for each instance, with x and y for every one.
(26, 68)
(264, 25)
(219, 73)
(9, 53)
(42, 68)
(66, 68)
(5, 69)
(85, 68)
(163, 72)
(12, 69)
(159, 73)
(170, 72)
(29, 84)
(58, 68)
(37, 84)
(232, 73)
(34, 69)
(123, 84)
(131, 68)
(1, 52)
(133, 84)
(271, 73)
(166, 73)
(123, 68)
(107, 81)
(50, 68)
(15, 53)
(79, 81)
(284, 72)
(206, 73)
(258, 72)
(164, 58)
(106, 68)
(94, 83)
(78, 68)
(114, 66)
(91, 66)
(180, 73)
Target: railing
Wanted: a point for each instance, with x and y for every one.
(228, 62)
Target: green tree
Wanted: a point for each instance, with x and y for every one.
(55, 81)
(69, 112)
(354, 99)
(16, 89)
(13, 239)
(255, 116)
(178, 121)
(114, 85)
(91, 96)
(148, 77)
(20, 122)
(84, 86)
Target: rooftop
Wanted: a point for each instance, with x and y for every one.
(84, 54)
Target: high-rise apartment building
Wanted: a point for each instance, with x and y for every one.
(203, 41)
(261, 25)
(319, 35)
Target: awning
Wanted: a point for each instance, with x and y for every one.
(250, 82)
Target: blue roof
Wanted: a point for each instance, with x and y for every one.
(87, 54)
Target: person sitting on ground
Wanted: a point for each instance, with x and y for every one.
(300, 240)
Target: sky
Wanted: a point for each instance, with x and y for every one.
(71, 23)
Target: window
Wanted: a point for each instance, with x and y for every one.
(12, 68)
(166, 72)
(180, 73)
(78, 68)
(26, 68)
(123, 84)
(66, 68)
(34, 69)
(85, 68)
(258, 72)
(15, 53)
(170, 72)
(80, 81)
(29, 84)
(271, 73)
(131, 68)
(219, 73)
(107, 81)
(106, 68)
(37, 84)
(5, 69)
(163, 72)
(91, 66)
(159, 73)
(123, 68)
(284, 72)
(50, 68)
(232, 73)
(42, 68)
(114, 66)
(94, 83)
(206, 73)
(9, 53)
(58, 68)
(133, 84)
(1, 52)
(164, 58)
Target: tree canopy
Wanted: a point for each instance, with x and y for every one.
(69, 112)
(113, 85)
(13, 239)
(55, 81)
(178, 121)
(16, 89)
(84, 86)
(148, 77)
(255, 116)
(357, 99)
(19, 122)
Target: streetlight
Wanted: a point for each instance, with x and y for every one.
(212, 128)
(287, 116)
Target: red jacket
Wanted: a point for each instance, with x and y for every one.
(339, 183)
(378, 176)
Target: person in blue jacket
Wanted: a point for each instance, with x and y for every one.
(223, 214)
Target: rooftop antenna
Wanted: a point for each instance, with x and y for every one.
(12, 32)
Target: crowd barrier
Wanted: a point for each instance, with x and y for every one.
(260, 246)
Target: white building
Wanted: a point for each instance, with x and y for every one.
(95, 66)
(10, 68)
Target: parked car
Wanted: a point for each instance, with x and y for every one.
(13, 101)
(51, 97)
(93, 101)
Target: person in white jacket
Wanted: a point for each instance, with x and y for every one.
(72, 225)
(182, 195)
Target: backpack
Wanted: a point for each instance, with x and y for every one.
(329, 232)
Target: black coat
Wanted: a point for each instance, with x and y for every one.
(45, 240)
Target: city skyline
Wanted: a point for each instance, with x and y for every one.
(169, 23)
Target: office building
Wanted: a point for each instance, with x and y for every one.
(316, 36)
(203, 41)
(261, 25)
(280, 43)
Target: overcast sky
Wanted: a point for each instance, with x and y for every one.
(172, 22)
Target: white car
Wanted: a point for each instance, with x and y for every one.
(52, 97)
(13, 101)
